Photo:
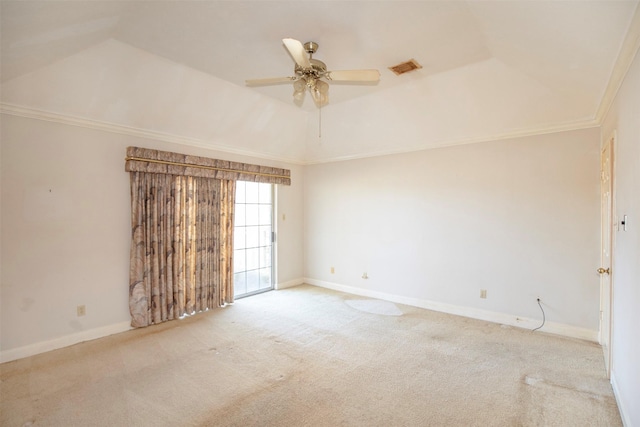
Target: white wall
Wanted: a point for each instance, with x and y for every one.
(519, 218)
(624, 118)
(65, 232)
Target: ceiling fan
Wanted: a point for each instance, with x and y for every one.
(309, 72)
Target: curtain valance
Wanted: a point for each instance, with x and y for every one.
(155, 161)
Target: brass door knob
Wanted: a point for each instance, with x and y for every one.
(603, 270)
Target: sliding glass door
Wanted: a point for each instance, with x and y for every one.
(253, 239)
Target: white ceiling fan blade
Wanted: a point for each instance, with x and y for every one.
(297, 51)
(270, 81)
(353, 75)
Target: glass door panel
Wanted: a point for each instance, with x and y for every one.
(253, 238)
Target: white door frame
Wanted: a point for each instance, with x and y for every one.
(608, 224)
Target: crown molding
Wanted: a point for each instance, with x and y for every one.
(541, 130)
(628, 51)
(67, 119)
(38, 114)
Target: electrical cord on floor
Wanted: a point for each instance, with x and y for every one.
(543, 317)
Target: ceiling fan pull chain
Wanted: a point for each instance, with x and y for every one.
(320, 122)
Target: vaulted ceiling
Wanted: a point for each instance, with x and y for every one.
(175, 70)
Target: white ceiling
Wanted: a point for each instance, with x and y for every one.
(490, 69)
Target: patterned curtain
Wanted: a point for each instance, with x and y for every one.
(182, 246)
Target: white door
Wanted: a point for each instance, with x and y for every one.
(606, 199)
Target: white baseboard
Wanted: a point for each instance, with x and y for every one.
(289, 284)
(621, 407)
(54, 344)
(474, 313)
(490, 316)
(67, 340)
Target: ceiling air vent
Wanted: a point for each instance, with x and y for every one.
(405, 67)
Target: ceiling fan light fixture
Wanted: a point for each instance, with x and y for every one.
(309, 71)
(299, 86)
(323, 87)
(299, 89)
(320, 93)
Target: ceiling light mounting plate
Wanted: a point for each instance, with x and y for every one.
(311, 47)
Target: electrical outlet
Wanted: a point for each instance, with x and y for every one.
(483, 293)
(333, 270)
(82, 310)
(364, 275)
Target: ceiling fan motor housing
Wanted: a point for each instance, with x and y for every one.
(318, 69)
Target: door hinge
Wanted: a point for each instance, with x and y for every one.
(273, 237)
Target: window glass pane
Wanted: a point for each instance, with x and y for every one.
(252, 192)
(253, 258)
(239, 260)
(265, 278)
(265, 214)
(253, 237)
(265, 256)
(252, 216)
(239, 283)
(265, 193)
(265, 235)
(253, 280)
(240, 190)
(239, 218)
(239, 238)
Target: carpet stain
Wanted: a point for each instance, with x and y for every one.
(531, 380)
(541, 383)
(372, 306)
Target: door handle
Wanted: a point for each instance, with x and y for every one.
(604, 271)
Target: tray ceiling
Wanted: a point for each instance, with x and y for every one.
(489, 69)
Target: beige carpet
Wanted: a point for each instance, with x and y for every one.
(313, 357)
